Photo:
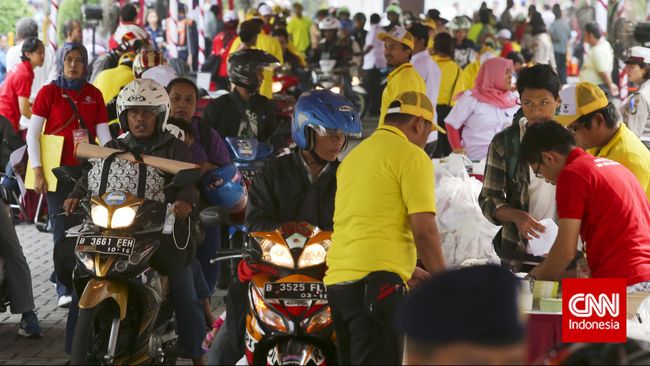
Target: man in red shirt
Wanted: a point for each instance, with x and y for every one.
(598, 199)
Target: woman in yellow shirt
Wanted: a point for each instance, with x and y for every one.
(451, 84)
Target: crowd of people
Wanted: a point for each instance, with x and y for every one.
(486, 87)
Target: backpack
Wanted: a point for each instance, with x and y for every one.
(115, 174)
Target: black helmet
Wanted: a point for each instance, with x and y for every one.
(244, 65)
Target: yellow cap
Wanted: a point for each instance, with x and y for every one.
(253, 14)
(416, 104)
(430, 23)
(398, 34)
(579, 100)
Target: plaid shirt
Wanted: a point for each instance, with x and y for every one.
(506, 181)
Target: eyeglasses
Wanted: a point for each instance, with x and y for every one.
(575, 126)
(539, 166)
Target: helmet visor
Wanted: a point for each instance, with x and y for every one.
(322, 131)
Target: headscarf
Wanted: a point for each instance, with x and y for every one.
(490, 87)
(63, 82)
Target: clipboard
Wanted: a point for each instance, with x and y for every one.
(51, 150)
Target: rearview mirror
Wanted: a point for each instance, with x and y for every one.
(213, 216)
(186, 177)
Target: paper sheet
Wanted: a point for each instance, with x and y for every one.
(541, 246)
(15, 158)
(51, 148)
(203, 80)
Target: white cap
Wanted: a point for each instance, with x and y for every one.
(162, 74)
(230, 16)
(265, 10)
(505, 34)
(638, 54)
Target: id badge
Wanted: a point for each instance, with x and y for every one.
(80, 135)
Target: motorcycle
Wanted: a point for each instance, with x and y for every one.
(327, 76)
(289, 321)
(124, 317)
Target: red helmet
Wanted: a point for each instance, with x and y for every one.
(146, 59)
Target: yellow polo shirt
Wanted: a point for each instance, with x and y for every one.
(380, 183)
(404, 78)
(470, 73)
(298, 29)
(452, 82)
(270, 45)
(628, 150)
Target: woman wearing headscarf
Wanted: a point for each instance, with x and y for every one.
(15, 92)
(75, 110)
(485, 110)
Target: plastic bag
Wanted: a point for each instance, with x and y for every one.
(465, 233)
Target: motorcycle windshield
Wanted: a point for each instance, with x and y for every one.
(242, 149)
(249, 149)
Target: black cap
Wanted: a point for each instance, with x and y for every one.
(475, 304)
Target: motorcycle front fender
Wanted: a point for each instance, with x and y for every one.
(98, 290)
(359, 89)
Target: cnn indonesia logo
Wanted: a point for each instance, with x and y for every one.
(593, 310)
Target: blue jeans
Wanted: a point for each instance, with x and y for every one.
(207, 251)
(190, 319)
(560, 61)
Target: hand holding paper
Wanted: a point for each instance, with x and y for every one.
(541, 245)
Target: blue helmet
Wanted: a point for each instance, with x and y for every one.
(224, 187)
(323, 111)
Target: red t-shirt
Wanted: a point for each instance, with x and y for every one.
(615, 215)
(17, 84)
(56, 109)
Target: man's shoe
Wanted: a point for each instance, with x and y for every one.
(29, 326)
(64, 301)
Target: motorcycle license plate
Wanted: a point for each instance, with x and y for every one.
(295, 291)
(106, 244)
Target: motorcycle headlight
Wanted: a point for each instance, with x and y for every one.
(265, 314)
(99, 215)
(123, 217)
(276, 87)
(277, 254)
(86, 261)
(312, 255)
(336, 90)
(317, 322)
(356, 81)
(318, 87)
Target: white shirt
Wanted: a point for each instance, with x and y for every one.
(42, 74)
(600, 58)
(480, 122)
(374, 59)
(430, 72)
(541, 194)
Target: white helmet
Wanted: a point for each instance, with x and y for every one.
(460, 22)
(143, 93)
(329, 23)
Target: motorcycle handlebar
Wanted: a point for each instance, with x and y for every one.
(228, 252)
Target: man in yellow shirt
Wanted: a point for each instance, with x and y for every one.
(111, 81)
(267, 44)
(398, 48)
(596, 124)
(384, 219)
(298, 29)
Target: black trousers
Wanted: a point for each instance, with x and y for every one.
(361, 339)
(443, 148)
(372, 83)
